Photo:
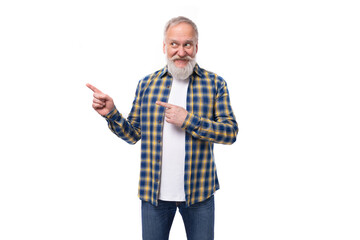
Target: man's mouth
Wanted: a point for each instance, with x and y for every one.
(176, 57)
(181, 61)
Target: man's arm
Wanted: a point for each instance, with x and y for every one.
(127, 129)
(223, 129)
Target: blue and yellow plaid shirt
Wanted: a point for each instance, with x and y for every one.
(210, 120)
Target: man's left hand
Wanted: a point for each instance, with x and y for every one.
(174, 114)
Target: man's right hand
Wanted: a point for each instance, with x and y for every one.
(102, 103)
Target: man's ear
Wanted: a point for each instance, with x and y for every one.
(164, 47)
(197, 47)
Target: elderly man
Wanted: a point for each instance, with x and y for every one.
(179, 112)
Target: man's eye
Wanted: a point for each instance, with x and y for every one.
(188, 45)
(173, 44)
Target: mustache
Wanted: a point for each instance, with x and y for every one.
(176, 57)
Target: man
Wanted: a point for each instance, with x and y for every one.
(178, 113)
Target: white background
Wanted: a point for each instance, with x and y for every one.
(292, 68)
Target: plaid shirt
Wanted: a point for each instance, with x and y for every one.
(210, 120)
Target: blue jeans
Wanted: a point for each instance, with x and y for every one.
(198, 219)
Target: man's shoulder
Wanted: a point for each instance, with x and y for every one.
(145, 81)
(157, 74)
(206, 74)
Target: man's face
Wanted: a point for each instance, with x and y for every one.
(180, 44)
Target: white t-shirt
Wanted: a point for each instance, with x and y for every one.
(173, 157)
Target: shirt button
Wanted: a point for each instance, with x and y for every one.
(159, 141)
(167, 86)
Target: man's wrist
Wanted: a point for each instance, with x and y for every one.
(111, 114)
(189, 121)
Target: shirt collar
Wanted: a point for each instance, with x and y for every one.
(197, 70)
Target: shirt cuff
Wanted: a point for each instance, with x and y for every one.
(112, 115)
(191, 122)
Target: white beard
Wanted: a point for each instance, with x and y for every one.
(181, 73)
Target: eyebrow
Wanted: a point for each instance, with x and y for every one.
(187, 41)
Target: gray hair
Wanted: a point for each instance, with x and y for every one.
(181, 19)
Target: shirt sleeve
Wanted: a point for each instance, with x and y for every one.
(222, 129)
(127, 129)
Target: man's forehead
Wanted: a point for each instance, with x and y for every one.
(177, 32)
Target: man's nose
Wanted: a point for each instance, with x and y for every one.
(181, 52)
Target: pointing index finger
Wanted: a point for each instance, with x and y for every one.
(164, 104)
(94, 89)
